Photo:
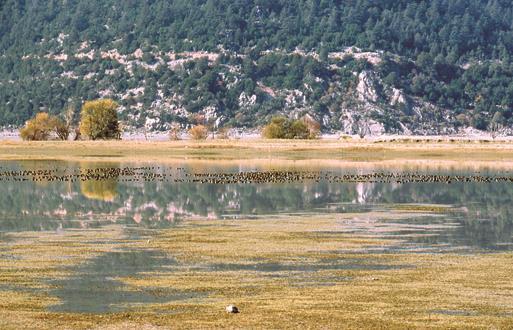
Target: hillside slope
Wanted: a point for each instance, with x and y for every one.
(423, 67)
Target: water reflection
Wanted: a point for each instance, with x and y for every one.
(105, 189)
(95, 287)
(308, 267)
(483, 215)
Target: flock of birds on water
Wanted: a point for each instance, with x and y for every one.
(182, 175)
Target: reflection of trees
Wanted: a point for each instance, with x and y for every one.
(202, 199)
(487, 209)
(102, 190)
(27, 206)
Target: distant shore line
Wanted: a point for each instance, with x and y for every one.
(13, 135)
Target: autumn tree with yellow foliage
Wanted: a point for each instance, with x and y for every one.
(99, 120)
(42, 126)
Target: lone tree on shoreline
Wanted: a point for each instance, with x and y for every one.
(99, 120)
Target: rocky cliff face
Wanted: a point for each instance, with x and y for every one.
(156, 90)
(379, 105)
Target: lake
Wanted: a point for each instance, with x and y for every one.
(104, 237)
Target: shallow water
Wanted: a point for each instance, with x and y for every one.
(472, 214)
(94, 289)
(432, 215)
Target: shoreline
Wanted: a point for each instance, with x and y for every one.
(273, 153)
(251, 135)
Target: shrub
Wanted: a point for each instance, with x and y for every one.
(78, 135)
(198, 132)
(174, 132)
(223, 133)
(283, 128)
(298, 130)
(276, 129)
(61, 129)
(495, 125)
(42, 126)
(313, 126)
(99, 120)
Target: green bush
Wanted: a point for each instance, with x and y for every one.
(275, 129)
(283, 128)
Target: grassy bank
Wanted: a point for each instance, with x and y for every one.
(458, 152)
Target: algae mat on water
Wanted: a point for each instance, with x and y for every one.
(294, 271)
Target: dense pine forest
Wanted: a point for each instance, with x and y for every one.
(392, 66)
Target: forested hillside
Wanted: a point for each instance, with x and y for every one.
(384, 66)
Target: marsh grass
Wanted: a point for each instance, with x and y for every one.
(413, 291)
(130, 151)
(435, 208)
